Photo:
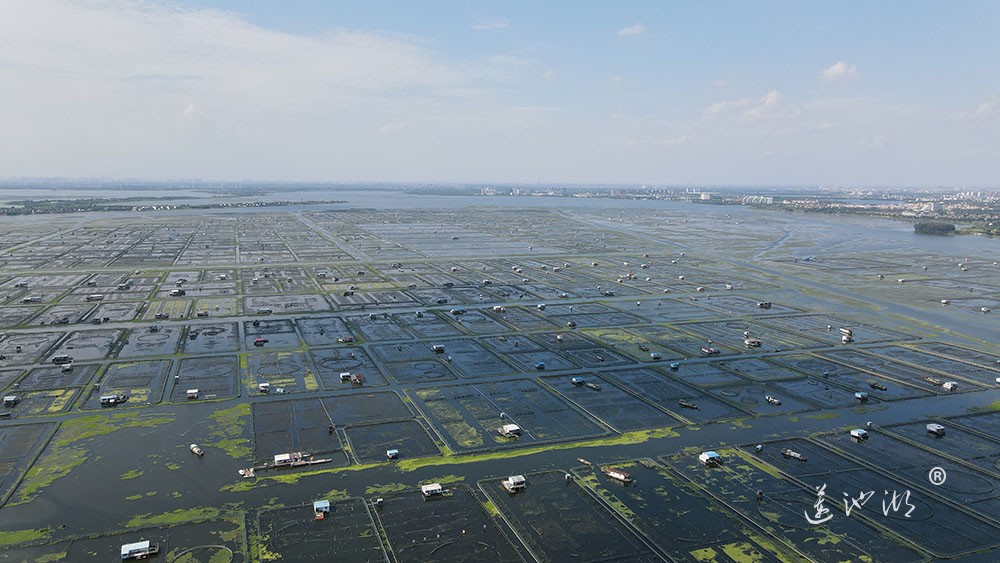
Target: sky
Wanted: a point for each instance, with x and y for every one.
(891, 93)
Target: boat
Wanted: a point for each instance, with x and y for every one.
(247, 473)
(710, 459)
(687, 404)
(877, 385)
(583, 461)
(792, 454)
(296, 459)
(772, 400)
(752, 342)
(196, 450)
(933, 380)
(709, 351)
(139, 550)
(514, 483)
(617, 474)
(593, 386)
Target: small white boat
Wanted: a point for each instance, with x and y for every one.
(196, 450)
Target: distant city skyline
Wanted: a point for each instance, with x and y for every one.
(726, 93)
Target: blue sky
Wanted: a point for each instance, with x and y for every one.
(655, 93)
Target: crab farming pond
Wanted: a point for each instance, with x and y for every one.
(607, 381)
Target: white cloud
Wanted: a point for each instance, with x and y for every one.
(724, 106)
(750, 108)
(636, 29)
(839, 71)
(988, 107)
(390, 128)
(170, 48)
(499, 23)
(617, 79)
(764, 105)
(159, 84)
(149, 88)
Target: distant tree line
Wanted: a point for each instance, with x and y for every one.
(933, 228)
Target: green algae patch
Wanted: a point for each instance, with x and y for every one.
(829, 415)
(310, 382)
(444, 480)
(15, 537)
(385, 489)
(81, 428)
(258, 547)
(491, 509)
(779, 550)
(179, 516)
(706, 555)
(66, 452)
(628, 438)
(743, 552)
(230, 429)
(232, 419)
(992, 407)
(740, 423)
(590, 480)
(236, 448)
(237, 533)
(291, 478)
(755, 462)
(241, 486)
(50, 467)
(336, 494)
(464, 434)
(132, 474)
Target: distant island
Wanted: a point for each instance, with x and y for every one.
(933, 228)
